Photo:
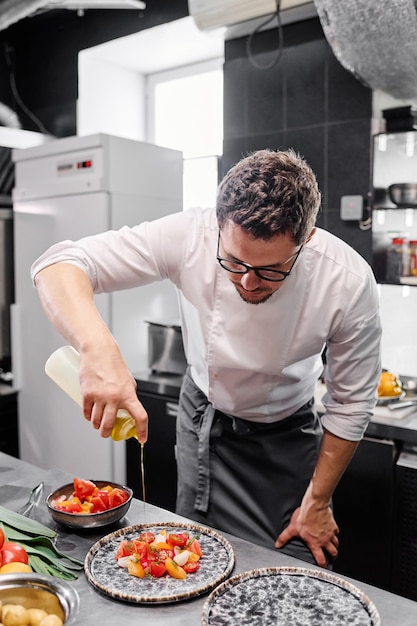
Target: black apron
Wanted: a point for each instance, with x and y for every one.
(243, 477)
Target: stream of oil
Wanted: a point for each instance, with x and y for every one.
(142, 472)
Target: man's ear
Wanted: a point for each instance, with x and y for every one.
(310, 235)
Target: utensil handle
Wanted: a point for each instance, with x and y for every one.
(395, 406)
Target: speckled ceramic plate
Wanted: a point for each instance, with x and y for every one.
(288, 596)
(105, 575)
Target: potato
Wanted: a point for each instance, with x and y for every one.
(51, 620)
(36, 616)
(15, 615)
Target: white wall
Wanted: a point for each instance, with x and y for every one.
(110, 98)
(399, 328)
(111, 76)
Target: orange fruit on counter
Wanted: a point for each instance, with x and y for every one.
(15, 568)
(389, 385)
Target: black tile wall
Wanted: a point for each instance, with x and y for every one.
(348, 98)
(305, 70)
(306, 101)
(265, 96)
(349, 154)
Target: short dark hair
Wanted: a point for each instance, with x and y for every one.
(269, 193)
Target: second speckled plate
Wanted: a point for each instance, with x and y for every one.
(288, 596)
(106, 576)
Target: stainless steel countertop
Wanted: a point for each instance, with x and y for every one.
(18, 478)
(400, 426)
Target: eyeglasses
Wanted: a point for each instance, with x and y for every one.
(265, 273)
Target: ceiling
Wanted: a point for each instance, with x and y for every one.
(12, 11)
(162, 48)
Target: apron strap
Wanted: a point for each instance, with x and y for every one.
(203, 484)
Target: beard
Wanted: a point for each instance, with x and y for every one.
(253, 297)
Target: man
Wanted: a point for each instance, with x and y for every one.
(262, 293)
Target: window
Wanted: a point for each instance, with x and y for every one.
(185, 112)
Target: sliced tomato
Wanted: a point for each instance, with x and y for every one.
(87, 507)
(175, 570)
(194, 546)
(141, 549)
(117, 497)
(69, 506)
(191, 566)
(161, 545)
(135, 568)
(193, 557)
(83, 488)
(12, 552)
(147, 537)
(97, 504)
(157, 569)
(103, 494)
(2, 537)
(178, 539)
(126, 548)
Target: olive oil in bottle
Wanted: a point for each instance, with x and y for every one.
(62, 367)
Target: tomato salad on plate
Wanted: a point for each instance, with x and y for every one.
(165, 553)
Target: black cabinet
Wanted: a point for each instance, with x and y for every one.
(404, 580)
(159, 452)
(364, 511)
(9, 438)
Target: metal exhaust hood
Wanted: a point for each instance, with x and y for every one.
(12, 11)
(240, 15)
(376, 41)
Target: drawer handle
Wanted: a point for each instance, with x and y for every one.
(172, 409)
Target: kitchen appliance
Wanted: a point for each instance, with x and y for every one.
(405, 531)
(6, 278)
(209, 14)
(394, 161)
(67, 189)
(166, 349)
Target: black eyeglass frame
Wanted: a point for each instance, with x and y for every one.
(258, 270)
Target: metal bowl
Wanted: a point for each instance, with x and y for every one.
(38, 591)
(84, 521)
(403, 194)
(410, 386)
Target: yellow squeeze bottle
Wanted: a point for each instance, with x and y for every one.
(62, 367)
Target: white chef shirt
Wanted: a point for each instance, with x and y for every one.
(257, 362)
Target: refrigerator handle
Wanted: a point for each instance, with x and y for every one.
(16, 345)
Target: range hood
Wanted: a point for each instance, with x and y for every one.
(209, 14)
(373, 39)
(12, 11)
(376, 41)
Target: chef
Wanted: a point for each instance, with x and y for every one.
(262, 292)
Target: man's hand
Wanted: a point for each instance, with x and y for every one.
(313, 521)
(107, 385)
(317, 528)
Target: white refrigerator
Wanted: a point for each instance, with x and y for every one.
(67, 189)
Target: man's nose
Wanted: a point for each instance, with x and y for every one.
(250, 281)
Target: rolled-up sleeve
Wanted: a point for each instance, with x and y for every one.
(353, 366)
